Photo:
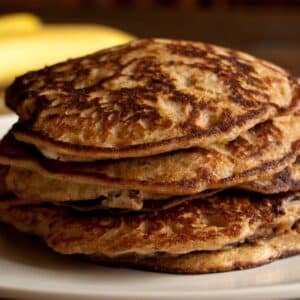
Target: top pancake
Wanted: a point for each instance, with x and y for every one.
(147, 97)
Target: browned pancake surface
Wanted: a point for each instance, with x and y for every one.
(244, 256)
(147, 97)
(33, 188)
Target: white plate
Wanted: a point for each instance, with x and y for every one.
(28, 269)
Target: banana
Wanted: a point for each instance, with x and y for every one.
(19, 23)
(51, 44)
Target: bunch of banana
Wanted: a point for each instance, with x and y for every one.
(26, 44)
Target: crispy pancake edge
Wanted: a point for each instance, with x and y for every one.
(286, 180)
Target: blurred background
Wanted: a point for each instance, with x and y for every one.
(53, 30)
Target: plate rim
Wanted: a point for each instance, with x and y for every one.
(281, 291)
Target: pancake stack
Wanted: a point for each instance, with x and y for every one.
(164, 155)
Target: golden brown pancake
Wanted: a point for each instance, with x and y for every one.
(243, 256)
(214, 224)
(263, 150)
(286, 180)
(119, 205)
(147, 97)
(33, 188)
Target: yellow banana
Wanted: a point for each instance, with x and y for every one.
(16, 24)
(19, 23)
(51, 44)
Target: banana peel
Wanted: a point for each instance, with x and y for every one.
(50, 44)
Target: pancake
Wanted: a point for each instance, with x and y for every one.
(147, 97)
(119, 206)
(263, 150)
(220, 221)
(286, 180)
(244, 256)
(32, 188)
(148, 205)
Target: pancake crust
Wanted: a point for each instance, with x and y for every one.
(218, 222)
(147, 97)
(263, 150)
(244, 256)
(286, 180)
